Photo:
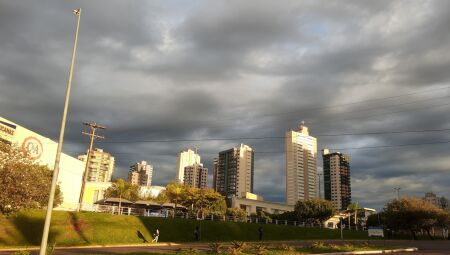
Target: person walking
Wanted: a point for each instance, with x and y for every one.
(260, 231)
(197, 233)
(156, 236)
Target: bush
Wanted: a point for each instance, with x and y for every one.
(24, 184)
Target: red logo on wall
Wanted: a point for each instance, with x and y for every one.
(32, 147)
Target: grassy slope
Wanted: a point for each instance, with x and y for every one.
(96, 228)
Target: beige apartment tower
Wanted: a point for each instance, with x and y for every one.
(301, 165)
(196, 176)
(141, 174)
(101, 166)
(234, 171)
(186, 158)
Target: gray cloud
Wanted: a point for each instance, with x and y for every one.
(156, 71)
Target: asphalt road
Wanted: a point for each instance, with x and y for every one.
(425, 247)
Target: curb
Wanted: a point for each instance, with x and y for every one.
(35, 248)
(411, 249)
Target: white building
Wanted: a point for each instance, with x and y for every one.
(43, 151)
(186, 158)
(101, 165)
(253, 203)
(152, 191)
(141, 174)
(301, 165)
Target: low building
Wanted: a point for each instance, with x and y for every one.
(151, 191)
(348, 218)
(251, 205)
(93, 192)
(43, 151)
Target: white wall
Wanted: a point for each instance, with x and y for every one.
(43, 150)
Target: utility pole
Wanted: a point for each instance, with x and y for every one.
(320, 179)
(48, 215)
(398, 192)
(93, 126)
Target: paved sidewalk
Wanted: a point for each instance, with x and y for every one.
(425, 247)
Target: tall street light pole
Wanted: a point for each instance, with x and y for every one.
(48, 215)
(398, 192)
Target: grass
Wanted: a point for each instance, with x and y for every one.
(73, 229)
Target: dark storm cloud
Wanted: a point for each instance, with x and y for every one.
(240, 69)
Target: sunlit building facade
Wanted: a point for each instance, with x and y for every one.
(141, 174)
(234, 171)
(196, 176)
(101, 165)
(43, 151)
(336, 175)
(186, 158)
(301, 165)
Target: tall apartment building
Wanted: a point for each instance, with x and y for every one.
(101, 165)
(215, 170)
(301, 165)
(431, 198)
(186, 158)
(234, 170)
(141, 174)
(336, 175)
(196, 176)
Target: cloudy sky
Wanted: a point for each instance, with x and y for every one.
(195, 71)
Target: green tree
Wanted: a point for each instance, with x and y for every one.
(444, 203)
(314, 210)
(413, 214)
(201, 201)
(24, 183)
(161, 198)
(289, 216)
(237, 213)
(209, 201)
(355, 207)
(376, 219)
(123, 190)
(174, 193)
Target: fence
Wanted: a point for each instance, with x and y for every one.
(166, 212)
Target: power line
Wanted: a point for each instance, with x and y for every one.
(283, 151)
(273, 137)
(384, 113)
(309, 110)
(336, 105)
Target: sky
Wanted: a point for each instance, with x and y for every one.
(195, 71)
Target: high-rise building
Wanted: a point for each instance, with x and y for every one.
(431, 198)
(336, 175)
(186, 158)
(141, 174)
(101, 166)
(215, 170)
(196, 176)
(301, 165)
(234, 171)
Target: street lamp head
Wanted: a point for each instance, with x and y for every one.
(77, 11)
